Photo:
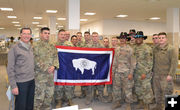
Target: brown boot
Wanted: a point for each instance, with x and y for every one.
(140, 105)
(59, 104)
(70, 102)
(146, 107)
(128, 106)
(110, 98)
(89, 99)
(116, 104)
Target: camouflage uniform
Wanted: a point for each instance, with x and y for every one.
(165, 63)
(45, 55)
(144, 60)
(91, 90)
(63, 91)
(124, 65)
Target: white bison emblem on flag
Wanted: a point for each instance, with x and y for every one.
(83, 63)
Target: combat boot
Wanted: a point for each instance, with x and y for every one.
(89, 99)
(140, 105)
(146, 106)
(59, 104)
(83, 94)
(70, 102)
(128, 106)
(110, 97)
(101, 98)
(116, 104)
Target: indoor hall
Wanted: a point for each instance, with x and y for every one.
(107, 18)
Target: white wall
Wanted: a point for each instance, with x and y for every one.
(96, 26)
(114, 27)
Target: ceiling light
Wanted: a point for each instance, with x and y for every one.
(11, 17)
(41, 25)
(37, 17)
(17, 25)
(89, 13)
(60, 26)
(56, 23)
(154, 18)
(51, 11)
(15, 22)
(122, 16)
(61, 18)
(2, 28)
(6, 9)
(35, 22)
(83, 19)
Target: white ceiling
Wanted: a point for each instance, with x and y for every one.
(137, 10)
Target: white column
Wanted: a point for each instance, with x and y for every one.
(73, 15)
(52, 26)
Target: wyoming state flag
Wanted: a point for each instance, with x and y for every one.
(84, 66)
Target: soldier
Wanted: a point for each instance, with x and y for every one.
(143, 71)
(165, 63)
(123, 77)
(67, 35)
(106, 42)
(80, 40)
(87, 43)
(132, 33)
(74, 41)
(46, 60)
(63, 91)
(91, 90)
(114, 42)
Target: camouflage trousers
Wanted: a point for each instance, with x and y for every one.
(84, 88)
(161, 88)
(43, 95)
(63, 91)
(122, 87)
(91, 90)
(143, 89)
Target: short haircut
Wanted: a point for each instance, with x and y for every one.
(106, 38)
(162, 33)
(45, 28)
(94, 33)
(25, 29)
(155, 34)
(31, 38)
(61, 30)
(79, 33)
(114, 37)
(73, 36)
(87, 32)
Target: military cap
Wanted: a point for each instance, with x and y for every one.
(140, 34)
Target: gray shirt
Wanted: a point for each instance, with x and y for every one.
(20, 64)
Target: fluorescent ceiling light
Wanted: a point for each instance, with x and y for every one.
(56, 23)
(15, 22)
(61, 18)
(60, 26)
(6, 9)
(11, 17)
(51, 11)
(37, 17)
(83, 19)
(41, 25)
(89, 13)
(35, 22)
(17, 25)
(122, 16)
(154, 18)
(2, 28)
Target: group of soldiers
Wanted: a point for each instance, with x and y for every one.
(139, 71)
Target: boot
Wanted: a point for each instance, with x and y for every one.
(116, 104)
(140, 105)
(101, 98)
(89, 99)
(59, 104)
(146, 107)
(110, 98)
(70, 102)
(83, 94)
(128, 106)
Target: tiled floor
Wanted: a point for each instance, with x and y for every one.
(4, 103)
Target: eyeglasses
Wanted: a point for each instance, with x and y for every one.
(26, 34)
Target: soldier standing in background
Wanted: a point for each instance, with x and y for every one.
(80, 39)
(123, 77)
(91, 90)
(165, 63)
(65, 91)
(46, 60)
(87, 43)
(143, 71)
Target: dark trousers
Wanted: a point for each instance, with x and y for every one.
(25, 99)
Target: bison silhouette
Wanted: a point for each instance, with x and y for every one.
(83, 63)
